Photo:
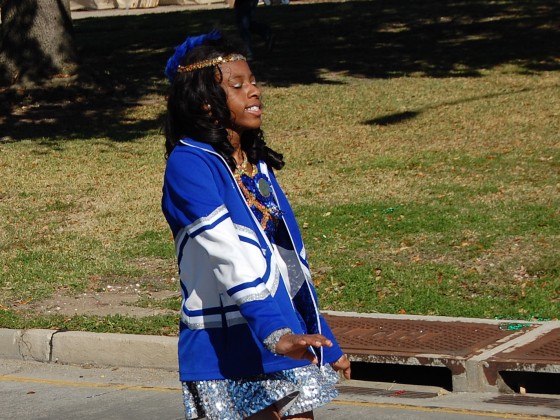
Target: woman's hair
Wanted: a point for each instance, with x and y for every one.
(197, 108)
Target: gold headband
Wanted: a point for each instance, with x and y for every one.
(211, 62)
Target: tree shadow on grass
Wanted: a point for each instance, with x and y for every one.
(398, 117)
(448, 38)
(370, 39)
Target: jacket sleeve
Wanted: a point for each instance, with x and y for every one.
(192, 201)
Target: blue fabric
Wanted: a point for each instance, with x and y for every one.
(197, 182)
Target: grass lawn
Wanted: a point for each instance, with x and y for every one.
(422, 149)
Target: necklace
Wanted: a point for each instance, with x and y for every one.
(244, 168)
(257, 191)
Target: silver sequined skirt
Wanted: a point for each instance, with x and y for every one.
(292, 391)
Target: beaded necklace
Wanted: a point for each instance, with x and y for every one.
(258, 193)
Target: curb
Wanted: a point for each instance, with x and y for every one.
(86, 348)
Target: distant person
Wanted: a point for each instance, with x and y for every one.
(247, 25)
(252, 342)
(272, 3)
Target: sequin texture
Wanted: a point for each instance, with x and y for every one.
(273, 339)
(293, 391)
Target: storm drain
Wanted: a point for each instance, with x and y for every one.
(374, 335)
(376, 392)
(532, 382)
(525, 400)
(416, 351)
(403, 374)
(533, 366)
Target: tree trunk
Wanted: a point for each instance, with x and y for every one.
(37, 41)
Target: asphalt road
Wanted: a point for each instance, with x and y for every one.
(45, 391)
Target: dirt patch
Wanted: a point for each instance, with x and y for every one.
(115, 300)
(156, 292)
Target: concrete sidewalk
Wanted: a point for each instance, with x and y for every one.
(477, 355)
(84, 14)
(101, 11)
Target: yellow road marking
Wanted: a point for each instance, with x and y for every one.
(443, 410)
(58, 382)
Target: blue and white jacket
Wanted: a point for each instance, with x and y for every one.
(237, 287)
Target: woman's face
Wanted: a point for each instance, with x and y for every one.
(243, 95)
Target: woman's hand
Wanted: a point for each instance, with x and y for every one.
(342, 364)
(296, 346)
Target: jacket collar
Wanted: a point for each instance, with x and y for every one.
(187, 141)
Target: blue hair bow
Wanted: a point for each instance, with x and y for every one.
(192, 41)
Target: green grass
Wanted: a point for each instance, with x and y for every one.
(422, 161)
(173, 303)
(452, 260)
(151, 325)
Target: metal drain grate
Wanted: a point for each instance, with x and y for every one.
(376, 392)
(525, 400)
(536, 364)
(546, 348)
(364, 335)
